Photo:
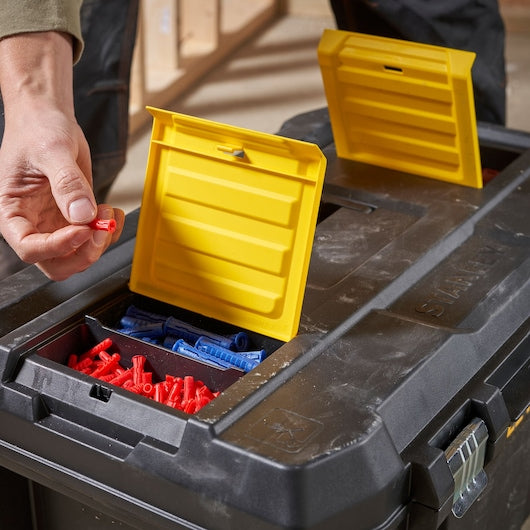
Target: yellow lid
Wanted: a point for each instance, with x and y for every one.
(227, 222)
(402, 105)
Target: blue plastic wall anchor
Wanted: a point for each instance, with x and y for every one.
(151, 331)
(133, 323)
(254, 355)
(204, 344)
(179, 329)
(136, 317)
(182, 347)
(169, 341)
(150, 340)
(192, 333)
(140, 314)
(240, 341)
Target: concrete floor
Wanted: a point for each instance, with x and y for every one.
(276, 76)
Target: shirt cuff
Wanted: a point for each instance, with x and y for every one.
(28, 16)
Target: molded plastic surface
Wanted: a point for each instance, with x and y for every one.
(402, 105)
(416, 320)
(227, 222)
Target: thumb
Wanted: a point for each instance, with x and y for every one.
(72, 193)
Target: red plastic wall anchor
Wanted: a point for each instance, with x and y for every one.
(138, 368)
(108, 225)
(189, 406)
(107, 378)
(189, 388)
(105, 344)
(203, 392)
(107, 366)
(488, 174)
(147, 377)
(104, 356)
(84, 364)
(137, 389)
(148, 389)
(121, 378)
(200, 402)
(160, 393)
(185, 394)
(174, 397)
(72, 360)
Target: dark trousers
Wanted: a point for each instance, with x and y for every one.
(101, 85)
(473, 25)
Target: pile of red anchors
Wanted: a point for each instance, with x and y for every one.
(186, 394)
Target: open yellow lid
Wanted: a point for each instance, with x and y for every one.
(402, 105)
(227, 222)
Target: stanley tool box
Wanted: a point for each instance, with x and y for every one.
(401, 403)
(396, 397)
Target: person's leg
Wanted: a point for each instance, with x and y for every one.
(101, 85)
(460, 24)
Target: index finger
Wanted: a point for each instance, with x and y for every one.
(32, 246)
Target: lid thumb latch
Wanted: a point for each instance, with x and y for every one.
(238, 152)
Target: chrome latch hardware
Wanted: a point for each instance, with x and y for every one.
(465, 457)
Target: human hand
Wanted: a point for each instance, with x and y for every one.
(46, 197)
(44, 192)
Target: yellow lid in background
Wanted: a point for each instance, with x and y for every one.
(227, 222)
(402, 105)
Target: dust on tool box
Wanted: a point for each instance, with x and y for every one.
(402, 402)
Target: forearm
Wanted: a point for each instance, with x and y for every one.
(43, 149)
(36, 71)
(29, 16)
(46, 198)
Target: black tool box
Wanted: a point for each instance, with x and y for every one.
(402, 403)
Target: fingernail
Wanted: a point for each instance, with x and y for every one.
(81, 211)
(100, 238)
(79, 239)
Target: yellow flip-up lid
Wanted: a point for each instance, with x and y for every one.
(227, 222)
(402, 105)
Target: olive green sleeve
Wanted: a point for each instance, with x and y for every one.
(24, 16)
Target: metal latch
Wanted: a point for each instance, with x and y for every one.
(465, 457)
